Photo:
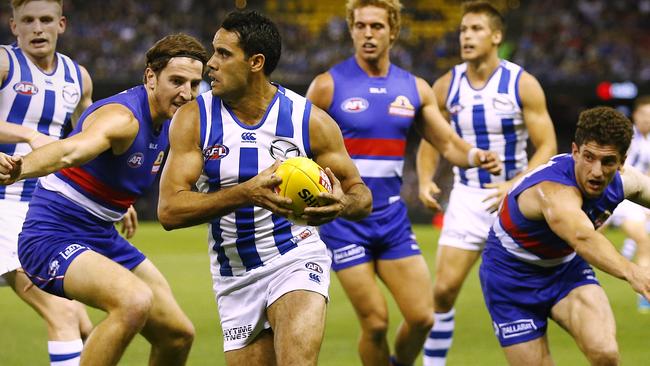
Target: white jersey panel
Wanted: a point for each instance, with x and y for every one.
(489, 118)
(40, 101)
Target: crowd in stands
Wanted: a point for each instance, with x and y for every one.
(558, 41)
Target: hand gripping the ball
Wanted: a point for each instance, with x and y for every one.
(10, 168)
(331, 204)
(261, 191)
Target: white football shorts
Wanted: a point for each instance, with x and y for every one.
(12, 216)
(628, 211)
(467, 222)
(243, 300)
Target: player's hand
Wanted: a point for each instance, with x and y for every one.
(10, 168)
(40, 140)
(495, 198)
(129, 223)
(640, 280)
(261, 191)
(332, 204)
(428, 194)
(489, 161)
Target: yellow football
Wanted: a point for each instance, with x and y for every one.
(302, 181)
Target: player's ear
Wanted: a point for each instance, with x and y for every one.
(63, 22)
(150, 78)
(257, 62)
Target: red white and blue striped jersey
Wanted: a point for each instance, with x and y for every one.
(375, 114)
(489, 118)
(235, 152)
(107, 185)
(533, 241)
(40, 101)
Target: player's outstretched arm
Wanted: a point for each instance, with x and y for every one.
(350, 197)
(110, 127)
(179, 206)
(11, 133)
(560, 206)
(438, 132)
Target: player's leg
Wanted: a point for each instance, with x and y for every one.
(586, 314)
(298, 322)
(67, 321)
(259, 352)
(531, 353)
(415, 302)
(102, 283)
(360, 285)
(635, 230)
(168, 329)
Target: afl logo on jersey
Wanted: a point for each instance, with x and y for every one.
(283, 150)
(70, 94)
(354, 105)
(215, 152)
(25, 88)
(135, 160)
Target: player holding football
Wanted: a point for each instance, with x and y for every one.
(375, 103)
(69, 246)
(270, 276)
(495, 105)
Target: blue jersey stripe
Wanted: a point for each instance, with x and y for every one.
(67, 126)
(216, 138)
(504, 81)
(48, 112)
(285, 125)
(245, 216)
(81, 82)
(225, 269)
(282, 234)
(482, 140)
(454, 119)
(202, 120)
(28, 189)
(66, 71)
(305, 129)
(10, 73)
(21, 103)
(510, 136)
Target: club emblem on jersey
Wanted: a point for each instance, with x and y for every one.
(215, 152)
(25, 88)
(402, 107)
(248, 137)
(156, 164)
(70, 94)
(135, 160)
(455, 108)
(354, 105)
(283, 149)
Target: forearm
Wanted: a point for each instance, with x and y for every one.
(48, 159)
(426, 162)
(358, 202)
(13, 133)
(188, 208)
(599, 252)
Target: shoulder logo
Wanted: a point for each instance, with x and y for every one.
(135, 160)
(215, 152)
(25, 88)
(503, 104)
(70, 94)
(402, 107)
(355, 105)
(283, 149)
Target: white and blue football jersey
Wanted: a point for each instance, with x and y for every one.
(638, 155)
(489, 118)
(41, 101)
(233, 153)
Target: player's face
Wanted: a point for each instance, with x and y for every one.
(371, 34)
(477, 40)
(641, 118)
(37, 25)
(175, 85)
(229, 68)
(595, 166)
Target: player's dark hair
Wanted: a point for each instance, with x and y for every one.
(641, 101)
(497, 22)
(604, 126)
(175, 45)
(257, 35)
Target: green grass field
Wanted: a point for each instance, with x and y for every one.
(182, 257)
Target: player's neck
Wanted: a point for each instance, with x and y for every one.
(479, 71)
(47, 63)
(251, 106)
(375, 68)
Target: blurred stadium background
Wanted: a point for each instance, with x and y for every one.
(584, 52)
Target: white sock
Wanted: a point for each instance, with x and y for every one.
(439, 340)
(628, 249)
(65, 353)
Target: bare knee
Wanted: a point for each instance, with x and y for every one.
(444, 295)
(375, 327)
(180, 336)
(604, 356)
(420, 322)
(133, 307)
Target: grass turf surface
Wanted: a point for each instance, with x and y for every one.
(182, 257)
